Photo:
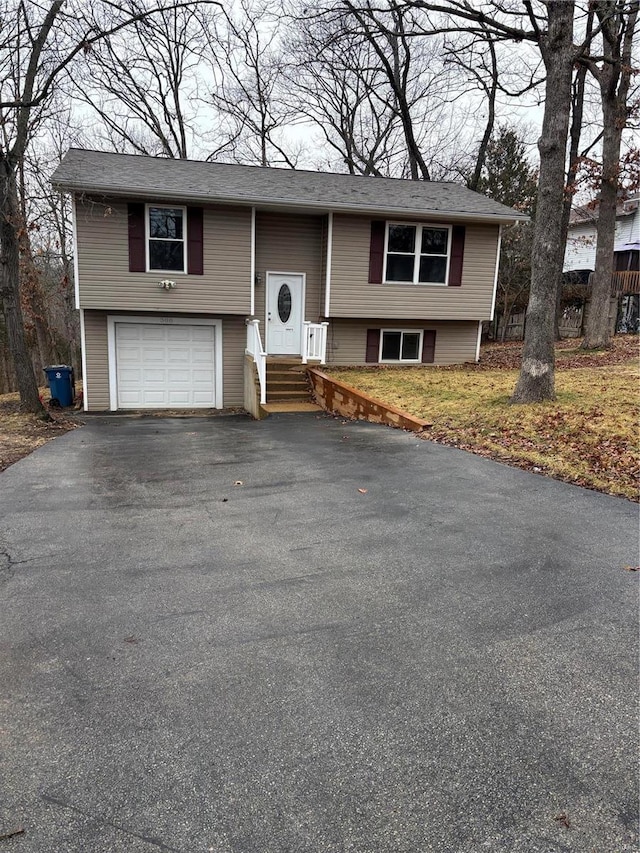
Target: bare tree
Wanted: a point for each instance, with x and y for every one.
(613, 71)
(246, 63)
(549, 26)
(143, 83)
(38, 46)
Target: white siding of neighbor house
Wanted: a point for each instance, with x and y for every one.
(103, 264)
(353, 296)
(580, 253)
(581, 241)
(96, 381)
(455, 341)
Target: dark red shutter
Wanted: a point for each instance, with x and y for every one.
(376, 252)
(137, 248)
(373, 345)
(195, 241)
(457, 255)
(428, 346)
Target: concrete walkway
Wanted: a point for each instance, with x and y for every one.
(309, 636)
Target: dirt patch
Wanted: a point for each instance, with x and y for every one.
(22, 433)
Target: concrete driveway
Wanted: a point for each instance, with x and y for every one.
(446, 662)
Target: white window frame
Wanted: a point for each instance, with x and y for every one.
(418, 360)
(419, 226)
(148, 237)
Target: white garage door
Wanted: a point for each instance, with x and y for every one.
(165, 367)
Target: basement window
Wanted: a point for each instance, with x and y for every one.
(400, 345)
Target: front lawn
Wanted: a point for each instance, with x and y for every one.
(588, 436)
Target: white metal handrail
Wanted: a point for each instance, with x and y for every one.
(256, 350)
(314, 342)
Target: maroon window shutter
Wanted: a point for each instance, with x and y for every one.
(376, 252)
(428, 346)
(373, 345)
(457, 254)
(137, 248)
(195, 241)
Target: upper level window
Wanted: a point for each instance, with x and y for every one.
(166, 231)
(417, 254)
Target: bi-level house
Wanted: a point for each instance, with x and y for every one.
(186, 271)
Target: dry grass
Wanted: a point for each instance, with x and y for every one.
(21, 433)
(588, 436)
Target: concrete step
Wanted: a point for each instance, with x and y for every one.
(292, 406)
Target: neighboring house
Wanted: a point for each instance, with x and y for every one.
(580, 255)
(580, 258)
(183, 267)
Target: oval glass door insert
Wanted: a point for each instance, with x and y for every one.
(284, 303)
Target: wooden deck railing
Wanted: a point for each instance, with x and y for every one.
(625, 282)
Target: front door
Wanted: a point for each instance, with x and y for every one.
(285, 301)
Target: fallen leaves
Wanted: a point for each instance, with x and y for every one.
(631, 568)
(563, 820)
(588, 436)
(22, 433)
(363, 491)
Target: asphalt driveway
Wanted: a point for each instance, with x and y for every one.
(372, 644)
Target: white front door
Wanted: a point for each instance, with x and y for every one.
(285, 313)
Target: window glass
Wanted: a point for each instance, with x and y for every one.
(165, 222)
(391, 346)
(432, 269)
(402, 238)
(166, 255)
(284, 303)
(166, 239)
(400, 267)
(410, 346)
(434, 241)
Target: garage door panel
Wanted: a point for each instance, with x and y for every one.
(169, 366)
(178, 355)
(179, 333)
(179, 377)
(152, 333)
(129, 353)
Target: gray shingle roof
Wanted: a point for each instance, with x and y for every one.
(133, 176)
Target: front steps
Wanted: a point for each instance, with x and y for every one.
(288, 387)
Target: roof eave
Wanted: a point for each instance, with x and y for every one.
(127, 192)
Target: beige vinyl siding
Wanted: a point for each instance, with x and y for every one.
(103, 264)
(234, 341)
(290, 243)
(324, 238)
(455, 341)
(96, 382)
(353, 296)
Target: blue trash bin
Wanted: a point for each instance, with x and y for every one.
(61, 384)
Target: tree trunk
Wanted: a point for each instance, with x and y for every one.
(537, 373)
(614, 78)
(598, 333)
(577, 113)
(10, 292)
